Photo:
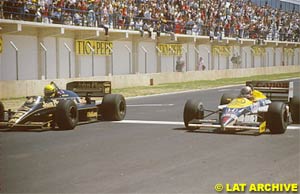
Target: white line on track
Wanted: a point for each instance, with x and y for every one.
(149, 105)
(149, 122)
(229, 89)
(291, 127)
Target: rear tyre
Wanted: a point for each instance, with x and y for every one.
(193, 109)
(66, 115)
(227, 98)
(295, 109)
(277, 117)
(114, 107)
(1, 112)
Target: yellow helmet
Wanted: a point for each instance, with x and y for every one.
(49, 90)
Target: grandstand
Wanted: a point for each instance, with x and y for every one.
(264, 19)
(285, 5)
(54, 39)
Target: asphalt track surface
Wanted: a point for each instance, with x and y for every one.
(149, 152)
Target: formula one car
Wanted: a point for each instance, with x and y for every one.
(74, 106)
(271, 108)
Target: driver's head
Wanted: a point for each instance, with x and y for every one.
(246, 92)
(49, 90)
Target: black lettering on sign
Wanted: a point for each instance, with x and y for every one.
(83, 47)
(273, 84)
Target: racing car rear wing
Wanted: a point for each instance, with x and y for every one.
(274, 90)
(90, 88)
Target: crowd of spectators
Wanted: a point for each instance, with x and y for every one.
(214, 18)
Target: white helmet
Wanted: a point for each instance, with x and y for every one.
(246, 92)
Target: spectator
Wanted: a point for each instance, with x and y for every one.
(45, 14)
(38, 15)
(77, 19)
(179, 64)
(200, 65)
(146, 27)
(236, 60)
(240, 18)
(211, 34)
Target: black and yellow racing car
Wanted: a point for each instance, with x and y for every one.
(73, 106)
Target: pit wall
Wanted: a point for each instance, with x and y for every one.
(59, 64)
(33, 54)
(22, 88)
(36, 51)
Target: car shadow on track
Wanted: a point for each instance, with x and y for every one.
(218, 132)
(39, 130)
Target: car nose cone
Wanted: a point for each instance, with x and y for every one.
(226, 120)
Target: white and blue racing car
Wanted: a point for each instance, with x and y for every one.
(273, 106)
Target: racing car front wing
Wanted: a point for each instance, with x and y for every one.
(41, 125)
(260, 127)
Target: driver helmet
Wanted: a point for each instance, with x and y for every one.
(246, 92)
(49, 90)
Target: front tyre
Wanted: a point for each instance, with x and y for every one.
(277, 117)
(193, 109)
(66, 115)
(295, 109)
(1, 112)
(114, 107)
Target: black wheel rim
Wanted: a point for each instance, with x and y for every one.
(285, 116)
(73, 113)
(122, 108)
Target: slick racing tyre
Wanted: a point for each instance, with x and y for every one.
(227, 98)
(66, 115)
(295, 103)
(193, 109)
(1, 112)
(295, 109)
(113, 107)
(277, 117)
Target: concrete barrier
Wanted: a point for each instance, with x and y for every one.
(44, 52)
(21, 88)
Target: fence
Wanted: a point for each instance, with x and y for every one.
(32, 51)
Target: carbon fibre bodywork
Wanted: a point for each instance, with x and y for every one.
(70, 106)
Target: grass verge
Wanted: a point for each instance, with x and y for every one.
(201, 84)
(14, 103)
